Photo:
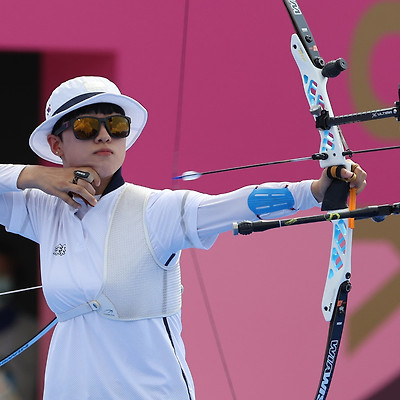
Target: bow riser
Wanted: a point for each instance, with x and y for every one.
(331, 143)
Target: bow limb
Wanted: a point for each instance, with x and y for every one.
(35, 338)
(29, 343)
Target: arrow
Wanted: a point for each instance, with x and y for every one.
(193, 175)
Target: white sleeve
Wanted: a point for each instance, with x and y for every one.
(171, 219)
(217, 213)
(14, 214)
(181, 219)
(9, 176)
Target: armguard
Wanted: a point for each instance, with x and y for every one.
(267, 200)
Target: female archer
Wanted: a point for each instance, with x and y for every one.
(110, 250)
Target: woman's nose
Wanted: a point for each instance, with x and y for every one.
(103, 135)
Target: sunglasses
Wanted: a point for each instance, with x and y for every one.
(86, 128)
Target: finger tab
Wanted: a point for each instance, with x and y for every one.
(86, 176)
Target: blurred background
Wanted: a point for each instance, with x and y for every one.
(222, 90)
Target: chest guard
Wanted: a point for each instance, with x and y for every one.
(135, 285)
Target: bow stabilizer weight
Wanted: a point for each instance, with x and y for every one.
(377, 213)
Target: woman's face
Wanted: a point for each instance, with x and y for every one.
(104, 153)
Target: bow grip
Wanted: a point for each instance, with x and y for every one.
(336, 196)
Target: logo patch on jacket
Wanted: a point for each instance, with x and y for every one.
(60, 250)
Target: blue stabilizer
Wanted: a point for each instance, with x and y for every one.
(267, 200)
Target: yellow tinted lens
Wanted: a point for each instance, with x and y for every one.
(86, 128)
(118, 126)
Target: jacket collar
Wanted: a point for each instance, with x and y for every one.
(116, 181)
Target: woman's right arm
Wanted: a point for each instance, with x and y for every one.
(14, 215)
(9, 176)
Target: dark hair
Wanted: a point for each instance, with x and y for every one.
(97, 108)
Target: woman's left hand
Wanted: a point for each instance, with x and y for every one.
(358, 176)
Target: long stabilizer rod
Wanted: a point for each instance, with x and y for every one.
(377, 213)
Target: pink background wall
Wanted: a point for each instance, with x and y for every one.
(222, 89)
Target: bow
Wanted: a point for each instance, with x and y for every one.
(333, 151)
(314, 74)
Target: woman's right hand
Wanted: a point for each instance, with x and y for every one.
(59, 182)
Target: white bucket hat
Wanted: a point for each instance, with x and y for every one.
(77, 93)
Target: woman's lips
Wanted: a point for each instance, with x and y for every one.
(103, 152)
